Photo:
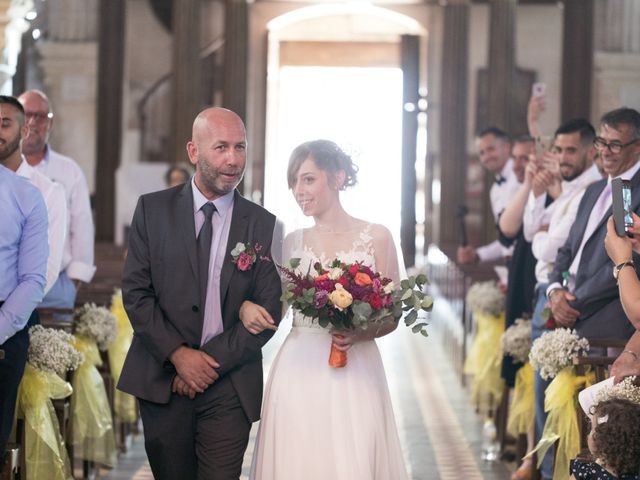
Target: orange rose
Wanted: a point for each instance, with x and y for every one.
(362, 279)
(319, 278)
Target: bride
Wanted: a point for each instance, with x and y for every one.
(320, 422)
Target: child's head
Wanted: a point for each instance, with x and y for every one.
(615, 435)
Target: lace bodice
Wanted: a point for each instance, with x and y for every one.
(361, 251)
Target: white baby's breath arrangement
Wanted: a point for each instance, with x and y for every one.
(96, 323)
(486, 297)
(555, 350)
(52, 350)
(516, 340)
(626, 389)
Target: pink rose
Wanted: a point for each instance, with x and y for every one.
(244, 262)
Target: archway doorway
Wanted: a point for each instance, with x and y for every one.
(334, 71)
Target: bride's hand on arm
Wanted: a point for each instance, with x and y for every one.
(255, 318)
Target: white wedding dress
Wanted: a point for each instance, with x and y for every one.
(323, 423)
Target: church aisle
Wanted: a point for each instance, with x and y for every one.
(438, 429)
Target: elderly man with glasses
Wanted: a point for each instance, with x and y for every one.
(590, 303)
(78, 253)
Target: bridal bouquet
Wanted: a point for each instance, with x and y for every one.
(516, 340)
(96, 323)
(555, 350)
(486, 297)
(353, 296)
(50, 356)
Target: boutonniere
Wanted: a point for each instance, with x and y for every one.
(245, 255)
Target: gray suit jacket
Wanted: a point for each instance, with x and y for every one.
(162, 298)
(597, 297)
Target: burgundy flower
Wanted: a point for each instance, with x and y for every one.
(375, 301)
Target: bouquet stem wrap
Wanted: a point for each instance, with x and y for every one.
(562, 420)
(124, 403)
(485, 360)
(521, 413)
(93, 435)
(46, 455)
(337, 358)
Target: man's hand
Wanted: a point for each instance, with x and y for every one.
(563, 313)
(181, 388)
(467, 255)
(195, 367)
(625, 365)
(256, 318)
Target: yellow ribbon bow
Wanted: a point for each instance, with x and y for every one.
(124, 404)
(46, 455)
(93, 435)
(562, 420)
(521, 412)
(485, 361)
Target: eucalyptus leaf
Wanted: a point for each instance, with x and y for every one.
(406, 294)
(294, 263)
(411, 317)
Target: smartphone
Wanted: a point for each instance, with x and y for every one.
(621, 200)
(543, 145)
(538, 89)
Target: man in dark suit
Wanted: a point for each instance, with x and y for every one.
(590, 302)
(195, 369)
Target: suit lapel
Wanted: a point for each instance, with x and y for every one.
(237, 233)
(187, 226)
(635, 199)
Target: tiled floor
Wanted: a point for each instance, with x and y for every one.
(439, 431)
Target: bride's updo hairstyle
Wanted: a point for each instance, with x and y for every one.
(327, 156)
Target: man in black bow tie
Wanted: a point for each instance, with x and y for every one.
(494, 148)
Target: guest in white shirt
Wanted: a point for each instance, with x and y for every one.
(78, 253)
(494, 147)
(564, 175)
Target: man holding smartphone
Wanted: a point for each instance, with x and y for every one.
(547, 224)
(590, 303)
(494, 149)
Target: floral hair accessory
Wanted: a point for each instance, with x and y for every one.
(245, 255)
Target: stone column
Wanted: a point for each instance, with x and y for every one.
(68, 59)
(577, 64)
(110, 91)
(453, 119)
(502, 14)
(185, 95)
(235, 56)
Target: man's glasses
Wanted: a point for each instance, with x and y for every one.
(38, 117)
(614, 147)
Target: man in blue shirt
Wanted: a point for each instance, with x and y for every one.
(24, 250)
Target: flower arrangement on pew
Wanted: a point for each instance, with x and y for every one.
(555, 351)
(516, 342)
(487, 303)
(552, 355)
(93, 436)
(353, 296)
(51, 354)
